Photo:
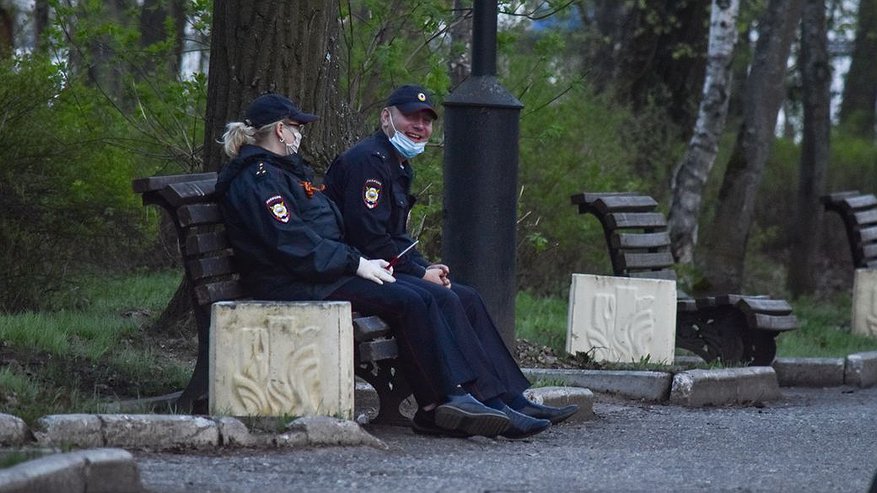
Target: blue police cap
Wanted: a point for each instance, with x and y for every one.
(270, 108)
(411, 98)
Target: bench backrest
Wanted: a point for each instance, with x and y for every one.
(859, 214)
(636, 233)
(207, 257)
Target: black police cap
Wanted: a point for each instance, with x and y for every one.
(270, 108)
(411, 98)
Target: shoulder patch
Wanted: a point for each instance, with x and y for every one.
(277, 207)
(371, 192)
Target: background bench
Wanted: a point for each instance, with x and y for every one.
(859, 214)
(208, 263)
(733, 328)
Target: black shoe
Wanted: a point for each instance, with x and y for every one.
(522, 426)
(553, 414)
(463, 413)
(423, 423)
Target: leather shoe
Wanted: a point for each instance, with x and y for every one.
(464, 414)
(423, 423)
(521, 425)
(553, 414)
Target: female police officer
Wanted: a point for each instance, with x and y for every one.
(288, 239)
(370, 183)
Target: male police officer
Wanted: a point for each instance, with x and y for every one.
(371, 184)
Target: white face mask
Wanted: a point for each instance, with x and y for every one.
(292, 147)
(406, 147)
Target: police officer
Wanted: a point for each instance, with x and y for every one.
(371, 184)
(288, 237)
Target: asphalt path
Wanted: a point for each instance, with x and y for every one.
(818, 440)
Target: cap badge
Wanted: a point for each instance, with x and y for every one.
(277, 206)
(421, 96)
(371, 193)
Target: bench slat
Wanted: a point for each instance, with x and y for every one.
(196, 214)
(767, 306)
(201, 268)
(177, 194)
(368, 328)
(201, 243)
(588, 198)
(861, 202)
(657, 260)
(865, 218)
(625, 203)
(866, 235)
(377, 350)
(627, 220)
(155, 183)
(211, 292)
(640, 240)
(869, 251)
(773, 323)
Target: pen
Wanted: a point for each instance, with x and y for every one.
(395, 260)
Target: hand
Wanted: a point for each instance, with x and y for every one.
(444, 268)
(375, 270)
(437, 276)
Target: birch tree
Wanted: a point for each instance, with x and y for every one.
(690, 176)
(726, 240)
(816, 85)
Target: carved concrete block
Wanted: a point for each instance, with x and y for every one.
(281, 359)
(622, 320)
(865, 303)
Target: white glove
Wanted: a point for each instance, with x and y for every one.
(375, 270)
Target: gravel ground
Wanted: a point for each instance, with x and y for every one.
(819, 440)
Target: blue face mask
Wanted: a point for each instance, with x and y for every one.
(405, 146)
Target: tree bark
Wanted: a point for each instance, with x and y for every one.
(693, 170)
(857, 110)
(726, 240)
(40, 21)
(282, 47)
(816, 81)
(459, 63)
(154, 15)
(7, 32)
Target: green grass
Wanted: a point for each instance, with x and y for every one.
(824, 327)
(94, 347)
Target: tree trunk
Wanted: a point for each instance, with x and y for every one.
(40, 21)
(7, 32)
(816, 81)
(153, 28)
(283, 47)
(726, 240)
(693, 170)
(860, 88)
(459, 64)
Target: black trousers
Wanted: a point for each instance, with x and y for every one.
(497, 372)
(430, 356)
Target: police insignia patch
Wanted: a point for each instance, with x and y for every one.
(277, 206)
(371, 193)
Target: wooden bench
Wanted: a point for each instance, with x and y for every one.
(859, 214)
(209, 267)
(733, 328)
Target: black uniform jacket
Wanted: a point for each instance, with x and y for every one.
(288, 238)
(372, 189)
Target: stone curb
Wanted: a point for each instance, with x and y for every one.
(105, 470)
(861, 369)
(697, 388)
(810, 372)
(652, 386)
